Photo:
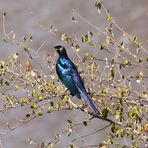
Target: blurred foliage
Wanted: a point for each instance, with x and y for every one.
(111, 86)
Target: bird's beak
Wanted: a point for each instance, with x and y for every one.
(57, 50)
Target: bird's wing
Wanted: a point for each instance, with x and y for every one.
(77, 79)
(79, 84)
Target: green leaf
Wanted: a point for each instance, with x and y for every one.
(58, 106)
(50, 145)
(112, 74)
(139, 46)
(26, 47)
(108, 18)
(135, 39)
(103, 46)
(49, 110)
(98, 5)
(91, 68)
(99, 34)
(16, 87)
(40, 98)
(140, 60)
(109, 40)
(23, 101)
(84, 38)
(6, 38)
(113, 128)
(129, 123)
(71, 146)
(40, 113)
(34, 106)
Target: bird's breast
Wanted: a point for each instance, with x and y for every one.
(65, 74)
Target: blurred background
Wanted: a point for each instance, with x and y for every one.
(25, 18)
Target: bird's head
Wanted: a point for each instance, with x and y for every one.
(60, 50)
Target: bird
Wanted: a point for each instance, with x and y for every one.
(69, 76)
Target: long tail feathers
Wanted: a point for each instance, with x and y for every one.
(89, 101)
(83, 93)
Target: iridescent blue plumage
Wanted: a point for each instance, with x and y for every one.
(70, 77)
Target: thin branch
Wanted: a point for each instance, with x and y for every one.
(96, 131)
